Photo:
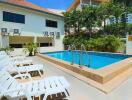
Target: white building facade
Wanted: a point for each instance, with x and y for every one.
(20, 25)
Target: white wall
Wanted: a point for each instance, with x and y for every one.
(128, 47)
(34, 23)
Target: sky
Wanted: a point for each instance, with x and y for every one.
(53, 4)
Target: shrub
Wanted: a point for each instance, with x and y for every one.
(30, 48)
(4, 98)
(111, 43)
(7, 49)
(108, 43)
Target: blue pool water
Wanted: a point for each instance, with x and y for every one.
(97, 60)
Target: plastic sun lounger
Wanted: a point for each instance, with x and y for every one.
(18, 58)
(12, 67)
(27, 69)
(19, 61)
(55, 85)
(22, 62)
(3, 53)
(48, 86)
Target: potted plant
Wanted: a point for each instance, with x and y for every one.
(4, 98)
(30, 48)
(7, 49)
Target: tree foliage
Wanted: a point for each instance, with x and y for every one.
(109, 43)
(91, 17)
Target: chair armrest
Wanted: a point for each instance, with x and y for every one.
(23, 76)
(14, 90)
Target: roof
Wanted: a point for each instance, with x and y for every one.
(59, 11)
(29, 5)
(75, 3)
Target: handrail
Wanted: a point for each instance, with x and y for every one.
(72, 48)
(81, 53)
(69, 47)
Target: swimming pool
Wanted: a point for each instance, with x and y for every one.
(97, 60)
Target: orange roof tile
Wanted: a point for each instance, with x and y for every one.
(24, 3)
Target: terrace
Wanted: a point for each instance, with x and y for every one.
(84, 54)
(80, 90)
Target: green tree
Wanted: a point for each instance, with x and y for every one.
(89, 17)
(73, 20)
(103, 14)
(125, 2)
(68, 23)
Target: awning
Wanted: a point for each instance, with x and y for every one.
(20, 39)
(44, 39)
(130, 38)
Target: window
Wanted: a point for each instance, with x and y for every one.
(45, 44)
(16, 45)
(12, 17)
(50, 23)
(58, 35)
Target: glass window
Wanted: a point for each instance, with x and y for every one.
(45, 44)
(16, 45)
(12, 17)
(50, 23)
(58, 35)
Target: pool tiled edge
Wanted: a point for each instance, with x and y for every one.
(101, 76)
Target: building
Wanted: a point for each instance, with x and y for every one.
(78, 4)
(22, 22)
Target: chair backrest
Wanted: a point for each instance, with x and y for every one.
(6, 81)
(3, 53)
(4, 61)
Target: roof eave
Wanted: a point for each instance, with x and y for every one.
(75, 3)
(31, 9)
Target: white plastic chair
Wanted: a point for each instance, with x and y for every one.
(48, 86)
(24, 69)
(55, 85)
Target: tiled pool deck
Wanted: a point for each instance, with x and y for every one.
(80, 90)
(101, 79)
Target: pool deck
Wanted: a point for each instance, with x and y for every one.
(101, 79)
(80, 90)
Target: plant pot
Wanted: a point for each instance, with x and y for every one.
(30, 54)
(4, 98)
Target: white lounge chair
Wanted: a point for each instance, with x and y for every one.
(55, 85)
(12, 67)
(48, 86)
(18, 60)
(37, 67)
(3, 53)
(24, 69)
(22, 62)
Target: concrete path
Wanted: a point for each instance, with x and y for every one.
(82, 91)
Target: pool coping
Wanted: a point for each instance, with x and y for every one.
(101, 78)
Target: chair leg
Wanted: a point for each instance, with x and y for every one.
(29, 98)
(61, 93)
(66, 94)
(56, 95)
(40, 73)
(50, 96)
(45, 97)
